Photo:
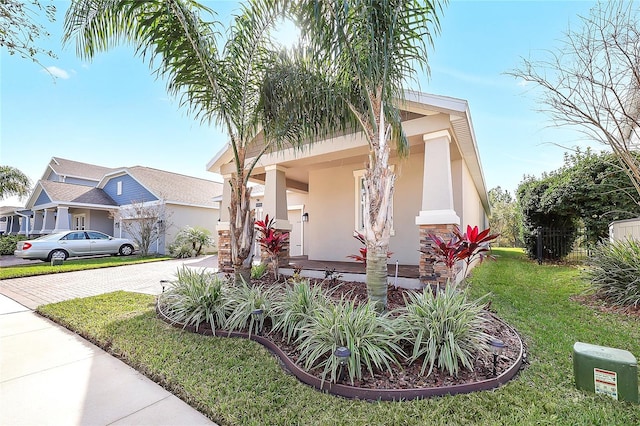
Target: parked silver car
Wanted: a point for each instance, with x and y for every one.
(73, 243)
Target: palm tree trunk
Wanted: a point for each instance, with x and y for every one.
(377, 277)
(241, 225)
(378, 216)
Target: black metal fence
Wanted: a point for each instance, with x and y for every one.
(563, 244)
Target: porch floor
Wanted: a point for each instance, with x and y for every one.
(404, 271)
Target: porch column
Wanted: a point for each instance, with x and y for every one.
(25, 229)
(38, 219)
(62, 219)
(275, 203)
(48, 222)
(437, 215)
(223, 228)
(14, 225)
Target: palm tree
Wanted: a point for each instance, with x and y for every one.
(217, 86)
(364, 51)
(13, 183)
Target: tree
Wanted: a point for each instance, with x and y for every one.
(592, 81)
(356, 58)
(13, 183)
(506, 218)
(589, 190)
(143, 222)
(18, 29)
(222, 87)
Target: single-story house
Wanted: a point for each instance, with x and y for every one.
(316, 193)
(75, 195)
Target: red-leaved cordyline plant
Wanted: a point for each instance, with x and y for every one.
(272, 241)
(362, 257)
(467, 247)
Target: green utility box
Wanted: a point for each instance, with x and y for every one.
(608, 371)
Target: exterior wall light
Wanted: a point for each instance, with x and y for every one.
(305, 217)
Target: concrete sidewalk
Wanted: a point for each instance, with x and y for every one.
(51, 376)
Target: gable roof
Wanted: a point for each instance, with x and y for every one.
(172, 187)
(59, 192)
(76, 169)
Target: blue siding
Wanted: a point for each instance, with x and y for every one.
(53, 177)
(132, 191)
(42, 199)
(79, 181)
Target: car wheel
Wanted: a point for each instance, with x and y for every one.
(126, 250)
(58, 254)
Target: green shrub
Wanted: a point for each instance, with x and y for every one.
(196, 297)
(445, 330)
(371, 338)
(294, 307)
(244, 300)
(8, 243)
(258, 271)
(614, 272)
(190, 241)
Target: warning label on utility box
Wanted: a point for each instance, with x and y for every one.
(606, 382)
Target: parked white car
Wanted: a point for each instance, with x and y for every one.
(66, 244)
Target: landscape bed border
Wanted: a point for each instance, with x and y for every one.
(353, 392)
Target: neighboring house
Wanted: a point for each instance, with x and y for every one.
(10, 220)
(317, 192)
(75, 195)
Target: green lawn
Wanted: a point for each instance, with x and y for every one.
(238, 382)
(43, 268)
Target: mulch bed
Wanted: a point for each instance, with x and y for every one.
(594, 302)
(408, 376)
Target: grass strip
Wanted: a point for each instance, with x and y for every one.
(44, 268)
(237, 382)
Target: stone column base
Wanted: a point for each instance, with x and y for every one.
(434, 273)
(224, 249)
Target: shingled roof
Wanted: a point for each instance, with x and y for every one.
(64, 167)
(177, 188)
(68, 193)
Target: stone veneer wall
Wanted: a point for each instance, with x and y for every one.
(283, 256)
(432, 273)
(224, 251)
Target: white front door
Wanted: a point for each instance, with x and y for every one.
(78, 221)
(295, 237)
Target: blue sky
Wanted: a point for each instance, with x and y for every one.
(113, 112)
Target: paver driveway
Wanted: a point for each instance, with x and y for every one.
(142, 278)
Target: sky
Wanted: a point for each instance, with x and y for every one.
(113, 112)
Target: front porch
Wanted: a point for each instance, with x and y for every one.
(408, 276)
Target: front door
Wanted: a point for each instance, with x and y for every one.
(78, 222)
(295, 237)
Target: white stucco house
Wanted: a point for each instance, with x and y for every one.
(74, 195)
(316, 193)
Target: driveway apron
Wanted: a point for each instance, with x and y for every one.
(49, 375)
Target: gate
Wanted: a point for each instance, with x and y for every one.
(563, 244)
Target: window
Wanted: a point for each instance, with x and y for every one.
(119, 187)
(97, 236)
(74, 236)
(359, 201)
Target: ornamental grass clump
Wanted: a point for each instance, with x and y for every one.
(250, 306)
(614, 272)
(445, 330)
(371, 338)
(196, 297)
(295, 306)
